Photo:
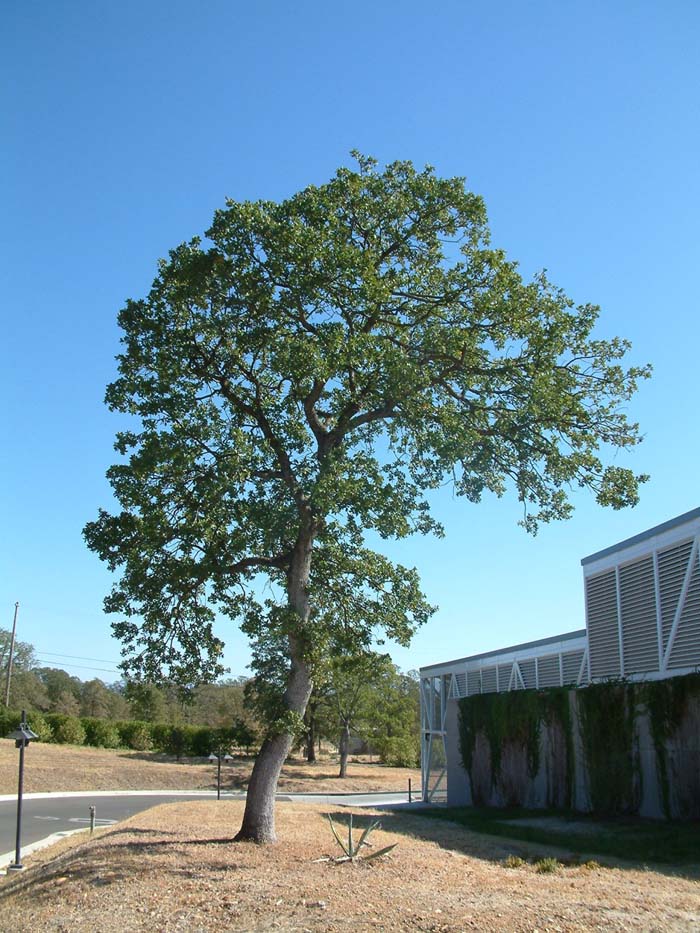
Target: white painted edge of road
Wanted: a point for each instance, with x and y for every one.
(389, 796)
(9, 857)
(111, 793)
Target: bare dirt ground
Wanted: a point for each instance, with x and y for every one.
(67, 767)
(174, 869)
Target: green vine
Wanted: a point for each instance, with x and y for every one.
(607, 717)
(556, 711)
(667, 702)
(515, 719)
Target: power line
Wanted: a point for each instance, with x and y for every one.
(83, 667)
(78, 657)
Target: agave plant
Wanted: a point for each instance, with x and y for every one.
(351, 850)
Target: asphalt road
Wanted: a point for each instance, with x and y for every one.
(44, 815)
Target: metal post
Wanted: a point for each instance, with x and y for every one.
(409, 790)
(17, 865)
(92, 820)
(218, 776)
(9, 662)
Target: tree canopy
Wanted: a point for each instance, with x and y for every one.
(310, 372)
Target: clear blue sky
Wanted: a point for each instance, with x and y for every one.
(125, 125)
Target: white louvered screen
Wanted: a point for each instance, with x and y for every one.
(673, 563)
(527, 669)
(571, 665)
(473, 682)
(685, 651)
(603, 637)
(548, 671)
(640, 641)
(504, 672)
(461, 683)
(488, 680)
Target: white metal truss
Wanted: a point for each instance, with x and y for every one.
(434, 695)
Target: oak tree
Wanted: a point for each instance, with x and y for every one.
(310, 372)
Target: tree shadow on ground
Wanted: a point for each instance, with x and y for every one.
(110, 862)
(457, 838)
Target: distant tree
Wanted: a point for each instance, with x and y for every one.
(95, 699)
(311, 374)
(27, 691)
(23, 658)
(219, 704)
(61, 684)
(352, 688)
(314, 721)
(147, 702)
(117, 704)
(393, 725)
(65, 702)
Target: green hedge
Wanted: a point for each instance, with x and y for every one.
(101, 733)
(66, 730)
(181, 741)
(135, 734)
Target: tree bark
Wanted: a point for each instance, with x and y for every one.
(344, 750)
(311, 739)
(259, 815)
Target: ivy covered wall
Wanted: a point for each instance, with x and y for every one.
(612, 748)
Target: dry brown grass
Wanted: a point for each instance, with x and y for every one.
(175, 869)
(67, 767)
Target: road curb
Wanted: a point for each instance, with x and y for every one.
(109, 793)
(9, 857)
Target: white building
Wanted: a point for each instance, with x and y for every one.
(642, 602)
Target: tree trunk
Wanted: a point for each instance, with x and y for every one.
(259, 815)
(344, 749)
(311, 739)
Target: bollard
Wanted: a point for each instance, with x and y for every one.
(409, 790)
(92, 820)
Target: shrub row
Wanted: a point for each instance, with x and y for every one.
(182, 741)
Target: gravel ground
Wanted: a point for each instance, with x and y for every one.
(175, 869)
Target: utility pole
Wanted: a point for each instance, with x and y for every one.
(9, 662)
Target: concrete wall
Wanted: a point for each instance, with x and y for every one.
(514, 785)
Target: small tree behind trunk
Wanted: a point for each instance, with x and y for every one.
(311, 743)
(344, 750)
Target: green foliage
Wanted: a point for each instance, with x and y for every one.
(135, 735)
(100, 732)
(27, 691)
(9, 720)
(60, 685)
(674, 842)
(607, 716)
(513, 861)
(515, 718)
(352, 851)
(311, 372)
(95, 699)
(667, 704)
(504, 718)
(38, 723)
(66, 730)
(243, 736)
(546, 866)
(187, 741)
(23, 654)
(398, 751)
